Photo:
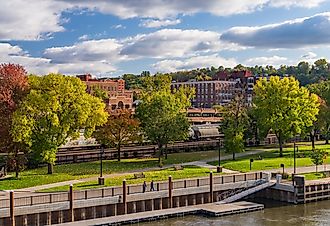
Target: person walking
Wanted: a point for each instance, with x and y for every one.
(152, 188)
(144, 187)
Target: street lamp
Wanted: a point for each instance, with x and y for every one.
(251, 160)
(101, 178)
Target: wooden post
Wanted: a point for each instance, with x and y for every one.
(71, 203)
(170, 195)
(12, 206)
(211, 187)
(157, 186)
(125, 196)
(185, 184)
(197, 182)
(245, 177)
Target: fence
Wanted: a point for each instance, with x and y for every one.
(131, 189)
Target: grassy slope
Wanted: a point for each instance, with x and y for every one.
(35, 177)
(271, 159)
(160, 175)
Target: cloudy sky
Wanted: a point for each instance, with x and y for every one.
(112, 37)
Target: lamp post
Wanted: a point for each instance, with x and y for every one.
(101, 178)
(219, 169)
(251, 160)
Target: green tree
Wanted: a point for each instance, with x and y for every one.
(284, 106)
(56, 109)
(234, 124)
(318, 157)
(162, 113)
(120, 129)
(322, 89)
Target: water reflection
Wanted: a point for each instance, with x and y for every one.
(276, 214)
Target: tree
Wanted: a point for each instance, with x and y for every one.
(13, 89)
(56, 109)
(284, 106)
(163, 113)
(120, 129)
(322, 89)
(318, 157)
(234, 124)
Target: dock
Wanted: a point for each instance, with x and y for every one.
(209, 210)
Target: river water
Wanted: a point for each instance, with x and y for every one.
(275, 214)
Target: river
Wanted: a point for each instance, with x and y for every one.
(275, 214)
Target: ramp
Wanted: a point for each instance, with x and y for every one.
(247, 192)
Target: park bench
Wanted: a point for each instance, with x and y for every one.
(139, 175)
(178, 167)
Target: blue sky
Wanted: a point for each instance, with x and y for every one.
(112, 37)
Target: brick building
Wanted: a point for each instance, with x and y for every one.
(221, 89)
(118, 96)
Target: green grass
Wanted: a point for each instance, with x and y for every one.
(271, 159)
(159, 175)
(39, 176)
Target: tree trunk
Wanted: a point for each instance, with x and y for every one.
(312, 136)
(234, 155)
(160, 149)
(16, 164)
(166, 151)
(281, 146)
(326, 140)
(118, 152)
(50, 168)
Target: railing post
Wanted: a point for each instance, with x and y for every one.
(185, 184)
(170, 195)
(124, 196)
(157, 186)
(12, 214)
(71, 203)
(113, 191)
(86, 194)
(222, 180)
(256, 176)
(50, 198)
(197, 182)
(261, 175)
(102, 192)
(234, 178)
(244, 176)
(211, 187)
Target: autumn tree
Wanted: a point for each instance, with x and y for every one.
(56, 109)
(284, 106)
(120, 129)
(234, 124)
(13, 88)
(162, 113)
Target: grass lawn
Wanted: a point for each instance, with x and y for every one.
(159, 175)
(271, 159)
(39, 176)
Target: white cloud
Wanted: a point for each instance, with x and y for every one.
(36, 19)
(83, 37)
(309, 55)
(155, 23)
(298, 33)
(193, 62)
(263, 61)
(172, 43)
(92, 50)
(118, 26)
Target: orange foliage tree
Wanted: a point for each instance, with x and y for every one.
(120, 129)
(13, 88)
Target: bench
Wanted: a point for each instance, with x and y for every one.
(178, 167)
(139, 175)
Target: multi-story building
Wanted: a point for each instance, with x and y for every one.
(221, 89)
(209, 93)
(118, 96)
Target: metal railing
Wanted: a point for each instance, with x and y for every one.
(131, 189)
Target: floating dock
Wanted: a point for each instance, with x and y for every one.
(211, 210)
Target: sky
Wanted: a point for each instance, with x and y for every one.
(111, 37)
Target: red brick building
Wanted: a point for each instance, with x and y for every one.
(221, 89)
(118, 97)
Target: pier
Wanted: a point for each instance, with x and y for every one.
(211, 210)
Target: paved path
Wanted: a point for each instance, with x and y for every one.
(201, 163)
